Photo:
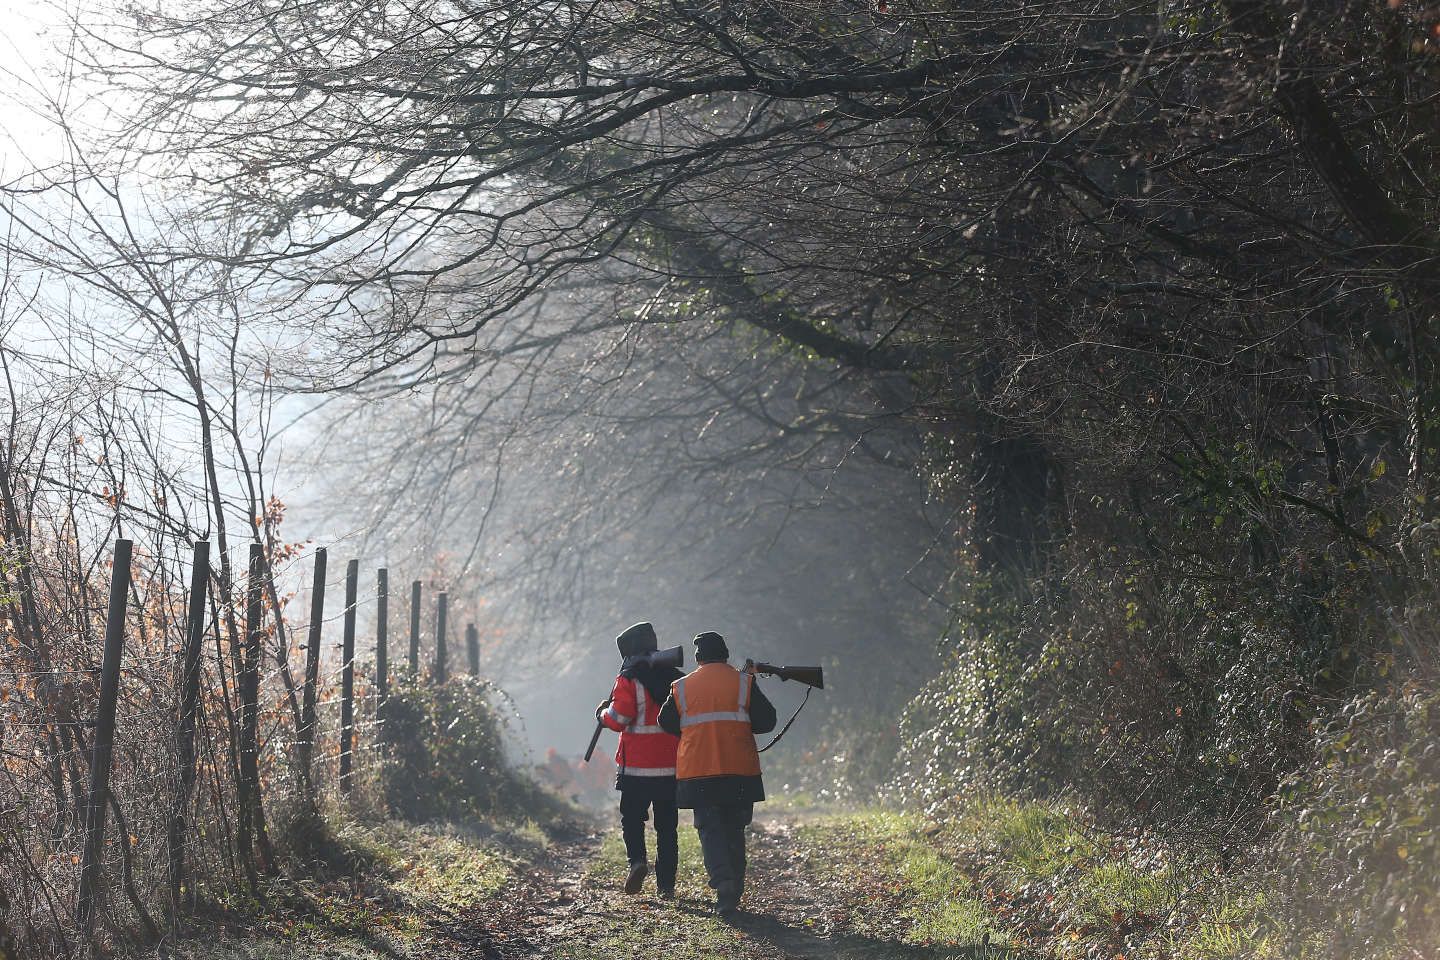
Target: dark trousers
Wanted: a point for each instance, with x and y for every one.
(722, 843)
(637, 796)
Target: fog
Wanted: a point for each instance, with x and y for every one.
(560, 504)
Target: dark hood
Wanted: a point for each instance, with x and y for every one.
(655, 680)
(637, 639)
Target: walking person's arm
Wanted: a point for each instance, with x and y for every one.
(670, 717)
(620, 712)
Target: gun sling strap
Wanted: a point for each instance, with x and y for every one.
(786, 729)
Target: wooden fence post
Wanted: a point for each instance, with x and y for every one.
(347, 675)
(185, 727)
(104, 746)
(250, 801)
(442, 605)
(415, 628)
(382, 629)
(309, 718)
(472, 647)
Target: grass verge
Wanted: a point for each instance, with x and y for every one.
(360, 890)
(1029, 877)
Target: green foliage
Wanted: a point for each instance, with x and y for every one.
(1363, 823)
(444, 755)
(1219, 672)
(1166, 691)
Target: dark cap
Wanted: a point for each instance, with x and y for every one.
(638, 639)
(710, 648)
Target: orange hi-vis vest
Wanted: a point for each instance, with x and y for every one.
(715, 735)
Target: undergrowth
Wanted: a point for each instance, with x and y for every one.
(359, 889)
(436, 828)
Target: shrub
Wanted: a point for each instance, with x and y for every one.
(444, 759)
(1362, 822)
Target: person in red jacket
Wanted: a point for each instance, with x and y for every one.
(645, 759)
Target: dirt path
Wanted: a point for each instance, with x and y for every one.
(570, 908)
(1004, 880)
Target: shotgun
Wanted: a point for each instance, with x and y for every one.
(810, 676)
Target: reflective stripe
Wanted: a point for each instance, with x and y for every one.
(648, 771)
(639, 703)
(619, 718)
(717, 736)
(639, 726)
(739, 716)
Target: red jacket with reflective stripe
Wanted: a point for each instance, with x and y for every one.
(645, 750)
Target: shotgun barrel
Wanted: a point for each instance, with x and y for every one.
(594, 739)
(810, 676)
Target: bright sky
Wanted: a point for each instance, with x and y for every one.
(30, 32)
(27, 40)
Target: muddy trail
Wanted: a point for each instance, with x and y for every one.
(570, 905)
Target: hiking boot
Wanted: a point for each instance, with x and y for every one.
(727, 901)
(636, 877)
(665, 893)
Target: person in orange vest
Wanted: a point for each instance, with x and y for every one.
(716, 712)
(645, 760)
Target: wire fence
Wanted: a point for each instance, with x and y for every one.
(125, 816)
